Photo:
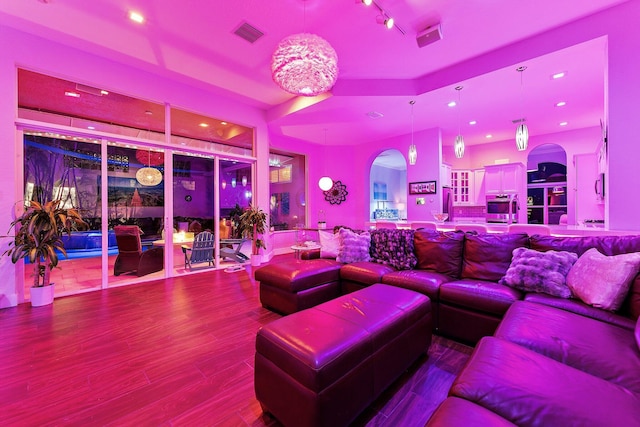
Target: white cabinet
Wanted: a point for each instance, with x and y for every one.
(461, 186)
(478, 187)
(506, 178)
(588, 205)
(445, 175)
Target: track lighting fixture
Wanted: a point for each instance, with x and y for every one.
(384, 17)
(387, 21)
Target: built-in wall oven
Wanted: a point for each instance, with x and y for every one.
(502, 208)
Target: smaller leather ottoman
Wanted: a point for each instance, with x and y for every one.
(292, 286)
(324, 365)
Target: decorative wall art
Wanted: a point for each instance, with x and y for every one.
(336, 194)
(425, 187)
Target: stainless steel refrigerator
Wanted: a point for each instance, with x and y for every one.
(447, 202)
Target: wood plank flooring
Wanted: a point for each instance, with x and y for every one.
(176, 352)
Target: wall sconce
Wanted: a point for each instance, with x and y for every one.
(244, 180)
(224, 184)
(233, 182)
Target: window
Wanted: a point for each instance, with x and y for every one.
(379, 191)
(287, 178)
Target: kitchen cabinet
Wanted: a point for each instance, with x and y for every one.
(589, 206)
(468, 187)
(503, 179)
(445, 175)
(546, 203)
(478, 187)
(461, 186)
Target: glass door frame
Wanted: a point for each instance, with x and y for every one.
(168, 148)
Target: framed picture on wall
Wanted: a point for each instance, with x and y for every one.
(425, 187)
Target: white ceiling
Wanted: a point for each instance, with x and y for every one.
(193, 41)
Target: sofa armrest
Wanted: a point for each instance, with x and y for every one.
(582, 309)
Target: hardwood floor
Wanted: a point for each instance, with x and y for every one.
(176, 352)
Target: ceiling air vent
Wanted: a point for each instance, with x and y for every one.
(248, 32)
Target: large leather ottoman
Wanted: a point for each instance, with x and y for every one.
(288, 287)
(324, 365)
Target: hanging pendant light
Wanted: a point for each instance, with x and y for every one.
(413, 151)
(304, 64)
(325, 183)
(522, 132)
(148, 176)
(458, 146)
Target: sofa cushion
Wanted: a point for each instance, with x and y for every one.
(545, 272)
(480, 295)
(487, 256)
(530, 389)
(603, 281)
(576, 306)
(354, 247)
(366, 273)
(426, 282)
(456, 412)
(439, 251)
(394, 248)
(592, 346)
(329, 244)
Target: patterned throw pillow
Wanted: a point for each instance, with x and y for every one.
(353, 247)
(603, 281)
(394, 248)
(543, 272)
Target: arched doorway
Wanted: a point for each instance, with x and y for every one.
(388, 186)
(547, 185)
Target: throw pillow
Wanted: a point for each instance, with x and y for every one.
(543, 272)
(353, 247)
(603, 281)
(393, 248)
(329, 244)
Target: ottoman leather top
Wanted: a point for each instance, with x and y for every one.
(319, 345)
(298, 276)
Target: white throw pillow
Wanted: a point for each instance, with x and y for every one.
(330, 244)
(603, 281)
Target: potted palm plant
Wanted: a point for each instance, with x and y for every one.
(252, 226)
(37, 237)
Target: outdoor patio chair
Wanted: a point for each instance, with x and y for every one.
(131, 258)
(227, 250)
(202, 250)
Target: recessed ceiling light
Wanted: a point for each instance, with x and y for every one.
(452, 104)
(563, 123)
(473, 122)
(72, 94)
(104, 92)
(223, 123)
(559, 75)
(488, 136)
(136, 17)
(203, 125)
(375, 115)
(561, 104)
(148, 113)
(91, 127)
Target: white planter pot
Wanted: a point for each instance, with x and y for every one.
(42, 295)
(256, 260)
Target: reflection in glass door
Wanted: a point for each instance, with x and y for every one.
(193, 212)
(66, 168)
(135, 212)
(236, 194)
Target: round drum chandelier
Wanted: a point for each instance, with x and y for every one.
(148, 176)
(304, 64)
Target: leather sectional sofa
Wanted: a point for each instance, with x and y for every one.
(551, 361)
